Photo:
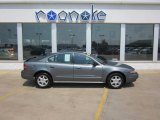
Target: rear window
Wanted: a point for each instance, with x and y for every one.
(60, 58)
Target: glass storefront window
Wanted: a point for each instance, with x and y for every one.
(8, 41)
(36, 39)
(71, 37)
(106, 40)
(139, 42)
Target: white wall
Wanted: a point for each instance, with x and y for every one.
(11, 66)
(115, 13)
(85, 1)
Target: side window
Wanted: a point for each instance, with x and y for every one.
(51, 59)
(60, 58)
(82, 59)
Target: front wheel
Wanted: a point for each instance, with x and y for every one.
(43, 80)
(115, 80)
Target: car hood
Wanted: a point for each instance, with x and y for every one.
(117, 64)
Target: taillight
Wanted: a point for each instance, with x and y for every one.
(24, 66)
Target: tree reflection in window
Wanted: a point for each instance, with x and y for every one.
(106, 40)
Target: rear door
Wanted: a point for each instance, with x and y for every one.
(61, 67)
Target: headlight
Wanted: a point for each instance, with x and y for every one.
(133, 72)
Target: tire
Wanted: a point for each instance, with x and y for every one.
(43, 80)
(115, 80)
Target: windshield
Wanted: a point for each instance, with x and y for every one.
(102, 61)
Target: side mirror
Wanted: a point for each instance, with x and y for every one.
(94, 64)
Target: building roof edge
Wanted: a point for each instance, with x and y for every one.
(84, 1)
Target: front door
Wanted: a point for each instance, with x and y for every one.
(84, 70)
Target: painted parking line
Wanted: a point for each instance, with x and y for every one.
(101, 104)
(14, 92)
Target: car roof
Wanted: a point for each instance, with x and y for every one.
(69, 52)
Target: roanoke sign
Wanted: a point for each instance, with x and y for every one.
(72, 16)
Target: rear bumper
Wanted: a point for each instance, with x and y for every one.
(27, 75)
(132, 78)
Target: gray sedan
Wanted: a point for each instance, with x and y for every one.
(74, 67)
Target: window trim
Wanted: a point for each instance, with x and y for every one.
(156, 42)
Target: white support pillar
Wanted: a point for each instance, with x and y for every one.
(54, 37)
(88, 38)
(122, 43)
(20, 42)
(155, 43)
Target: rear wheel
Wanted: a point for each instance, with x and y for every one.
(43, 80)
(115, 80)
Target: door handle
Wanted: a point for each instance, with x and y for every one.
(51, 66)
(78, 67)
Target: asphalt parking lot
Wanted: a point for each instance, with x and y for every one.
(21, 100)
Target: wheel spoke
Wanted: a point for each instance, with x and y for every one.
(46, 82)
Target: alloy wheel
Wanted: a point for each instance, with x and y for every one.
(42, 80)
(116, 81)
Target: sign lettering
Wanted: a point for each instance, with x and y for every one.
(72, 16)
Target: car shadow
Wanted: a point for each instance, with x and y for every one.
(79, 85)
(31, 83)
(128, 85)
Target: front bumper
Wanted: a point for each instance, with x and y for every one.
(27, 75)
(131, 77)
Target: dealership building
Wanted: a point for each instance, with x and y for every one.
(127, 31)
